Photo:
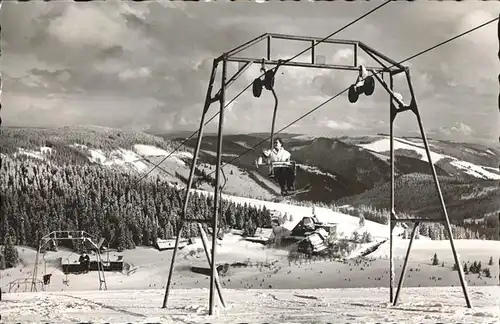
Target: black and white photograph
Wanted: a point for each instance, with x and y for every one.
(250, 161)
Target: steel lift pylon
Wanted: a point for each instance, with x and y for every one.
(386, 66)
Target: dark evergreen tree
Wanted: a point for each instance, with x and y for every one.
(10, 254)
(474, 267)
(361, 221)
(2, 261)
(435, 260)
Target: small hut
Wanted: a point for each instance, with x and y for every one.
(261, 235)
(162, 244)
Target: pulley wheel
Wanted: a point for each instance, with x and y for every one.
(257, 88)
(369, 86)
(269, 79)
(353, 95)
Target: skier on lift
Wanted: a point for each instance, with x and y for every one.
(284, 175)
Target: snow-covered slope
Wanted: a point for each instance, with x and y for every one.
(174, 167)
(315, 170)
(304, 137)
(34, 154)
(149, 151)
(474, 170)
(478, 171)
(119, 156)
(359, 305)
(346, 224)
(479, 248)
(384, 145)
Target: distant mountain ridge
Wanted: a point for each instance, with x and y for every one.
(344, 170)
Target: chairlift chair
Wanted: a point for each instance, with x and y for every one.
(280, 173)
(276, 168)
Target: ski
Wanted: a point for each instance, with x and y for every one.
(305, 189)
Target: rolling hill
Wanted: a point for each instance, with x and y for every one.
(85, 177)
(463, 199)
(347, 170)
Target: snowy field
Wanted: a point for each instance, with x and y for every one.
(269, 289)
(266, 268)
(416, 305)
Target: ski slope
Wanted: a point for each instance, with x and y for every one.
(481, 249)
(346, 224)
(360, 305)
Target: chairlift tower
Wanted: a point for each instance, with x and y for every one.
(386, 67)
(70, 235)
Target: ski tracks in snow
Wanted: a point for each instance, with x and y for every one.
(359, 305)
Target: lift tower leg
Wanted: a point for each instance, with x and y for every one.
(184, 219)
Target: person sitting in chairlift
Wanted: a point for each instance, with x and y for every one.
(46, 279)
(284, 175)
(84, 262)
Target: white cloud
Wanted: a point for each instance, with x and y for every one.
(85, 25)
(159, 54)
(229, 108)
(346, 56)
(142, 72)
(337, 125)
(458, 128)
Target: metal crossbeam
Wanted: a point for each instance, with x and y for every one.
(303, 64)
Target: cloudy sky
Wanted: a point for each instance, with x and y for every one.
(145, 66)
